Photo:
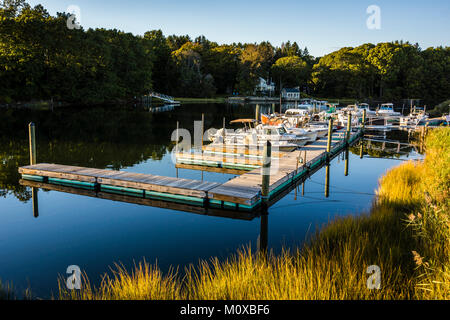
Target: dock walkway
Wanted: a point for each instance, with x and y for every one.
(241, 193)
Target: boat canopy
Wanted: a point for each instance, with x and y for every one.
(243, 121)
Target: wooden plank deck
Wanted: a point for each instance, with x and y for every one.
(124, 179)
(246, 188)
(241, 215)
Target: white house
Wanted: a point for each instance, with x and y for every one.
(290, 93)
(265, 86)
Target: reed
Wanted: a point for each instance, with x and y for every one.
(406, 233)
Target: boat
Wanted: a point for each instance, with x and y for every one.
(387, 109)
(365, 106)
(311, 134)
(280, 133)
(321, 129)
(252, 135)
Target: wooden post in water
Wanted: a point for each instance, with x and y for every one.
(178, 139)
(327, 181)
(263, 235)
(349, 126)
(361, 151)
(32, 138)
(223, 131)
(267, 154)
(273, 108)
(257, 113)
(34, 195)
(203, 128)
(364, 120)
(330, 134)
(280, 101)
(346, 162)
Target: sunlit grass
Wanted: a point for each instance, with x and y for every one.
(406, 233)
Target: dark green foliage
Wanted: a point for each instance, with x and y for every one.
(42, 59)
(390, 71)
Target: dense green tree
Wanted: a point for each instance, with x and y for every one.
(40, 58)
(291, 71)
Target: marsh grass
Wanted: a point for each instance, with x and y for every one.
(406, 233)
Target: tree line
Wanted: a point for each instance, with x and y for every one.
(41, 59)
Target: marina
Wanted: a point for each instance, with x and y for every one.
(240, 193)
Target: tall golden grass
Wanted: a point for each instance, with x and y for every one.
(406, 233)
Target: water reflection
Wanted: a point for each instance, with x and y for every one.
(96, 137)
(94, 230)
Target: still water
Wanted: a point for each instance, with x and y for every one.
(95, 233)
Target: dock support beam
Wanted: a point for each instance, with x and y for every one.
(346, 162)
(32, 138)
(267, 154)
(203, 128)
(178, 138)
(257, 113)
(330, 134)
(349, 127)
(34, 195)
(223, 131)
(364, 120)
(263, 235)
(327, 180)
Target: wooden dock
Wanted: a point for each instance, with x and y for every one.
(242, 193)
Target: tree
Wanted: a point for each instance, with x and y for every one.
(291, 71)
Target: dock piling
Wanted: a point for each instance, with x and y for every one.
(203, 128)
(327, 181)
(330, 134)
(178, 137)
(364, 119)
(267, 154)
(346, 162)
(34, 196)
(263, 235)
(223, 131)
(32, 138)
(257, 113)
(349, 127)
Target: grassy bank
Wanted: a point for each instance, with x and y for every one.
(406, 233)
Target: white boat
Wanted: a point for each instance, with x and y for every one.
(321, 129)
(413, 118)
(343, 120)
(251, 136)
(299, 112)
(364, 106)
(279, 133)
(387, 109)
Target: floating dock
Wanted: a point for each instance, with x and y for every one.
(242, 193)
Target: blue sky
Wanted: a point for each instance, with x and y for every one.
(322, 25)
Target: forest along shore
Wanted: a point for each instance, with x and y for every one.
(97, 66)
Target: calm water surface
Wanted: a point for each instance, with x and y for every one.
(95, 233)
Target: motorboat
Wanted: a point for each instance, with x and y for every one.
(387, 109)
(252, 135)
